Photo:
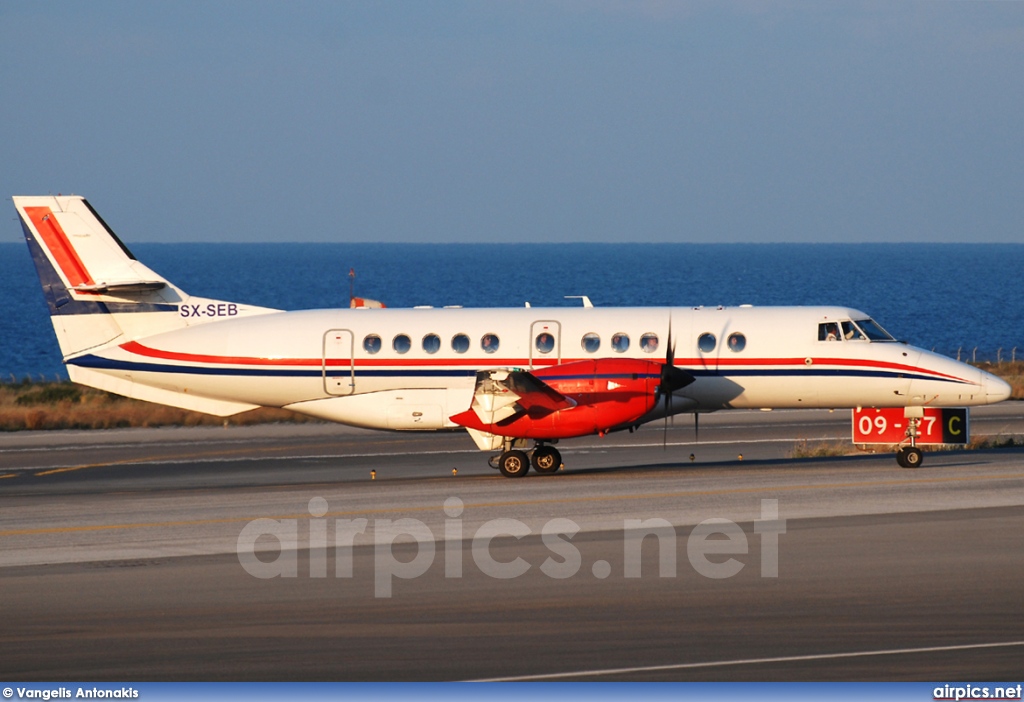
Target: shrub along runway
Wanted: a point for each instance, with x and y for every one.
(120, 561)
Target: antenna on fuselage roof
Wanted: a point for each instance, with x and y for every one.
(586, 300)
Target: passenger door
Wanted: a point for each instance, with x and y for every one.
(339, 368)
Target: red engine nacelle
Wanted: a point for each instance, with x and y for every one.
(607, 393)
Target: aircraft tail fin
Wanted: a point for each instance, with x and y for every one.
(97, 292)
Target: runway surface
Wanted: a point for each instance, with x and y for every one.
(136, 555)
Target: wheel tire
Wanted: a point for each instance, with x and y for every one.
(901, 458)
(912, 457)
(546, 459)
(513, 464)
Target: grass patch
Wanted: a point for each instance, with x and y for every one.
(994, 442)
(821, 449)
(32, 406)
(1010, 371)
(51, 394)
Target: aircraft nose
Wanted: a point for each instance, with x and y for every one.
(996, 389)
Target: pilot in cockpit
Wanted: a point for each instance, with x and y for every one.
(828, 331)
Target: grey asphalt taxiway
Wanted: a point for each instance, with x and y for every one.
(138, 554)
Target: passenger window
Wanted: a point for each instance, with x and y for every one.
(649, 342)
(371, 343)
(737, 342)
(460, 343)
(402, 343)
(489, 343)
(431, 343)
(591, 342)
(620, 342)
(828, 331)
(706, 342)
(545, 342)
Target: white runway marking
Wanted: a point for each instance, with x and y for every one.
(753, 661)
(595, 448)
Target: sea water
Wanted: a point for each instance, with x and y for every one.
(954, 298)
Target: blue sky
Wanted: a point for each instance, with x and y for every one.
(558, 120)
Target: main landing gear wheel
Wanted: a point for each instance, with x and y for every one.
(910, 457)
(513, 464)
(547, 459)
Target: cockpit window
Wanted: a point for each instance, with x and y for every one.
(829, 331)
(864, 330)
(873, 331)
(852, 333)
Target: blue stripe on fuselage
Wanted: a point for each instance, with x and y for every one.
(98, 362)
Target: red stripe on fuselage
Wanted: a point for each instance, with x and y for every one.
(60, 248)
(848, 362)
(143, 350)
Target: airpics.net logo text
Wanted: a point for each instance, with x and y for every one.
(713, 547)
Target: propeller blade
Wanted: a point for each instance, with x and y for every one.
(663, 383)
(668, 413)
(670, 356)
(672, 379)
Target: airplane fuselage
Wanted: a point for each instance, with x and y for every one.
(413, 369)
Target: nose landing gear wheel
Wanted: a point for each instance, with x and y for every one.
(547, 459)
(910, 457)
(513, 464)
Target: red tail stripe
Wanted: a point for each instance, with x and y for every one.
(60, 248)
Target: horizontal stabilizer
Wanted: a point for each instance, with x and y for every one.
(122, 287)
(138, 391)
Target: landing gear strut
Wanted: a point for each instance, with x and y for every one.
(911, 456)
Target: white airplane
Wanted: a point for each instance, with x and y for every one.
(507, 376)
